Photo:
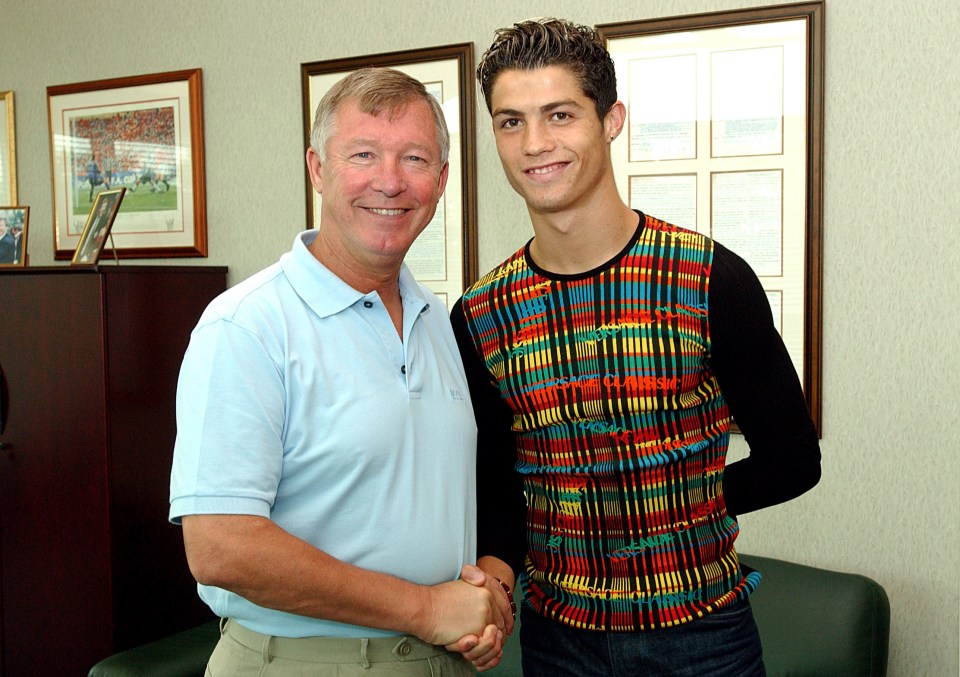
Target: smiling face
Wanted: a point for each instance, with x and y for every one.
(380, 182)
(553, 147)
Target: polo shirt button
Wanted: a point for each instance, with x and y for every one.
(368, 304)
(404, 649)
(403, 369)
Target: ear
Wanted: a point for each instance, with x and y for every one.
(614, 120)
(443, 179)
(315, 169)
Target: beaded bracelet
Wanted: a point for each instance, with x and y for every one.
(506, 589)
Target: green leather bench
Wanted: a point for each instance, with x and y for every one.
(812, 622)
(184, 654)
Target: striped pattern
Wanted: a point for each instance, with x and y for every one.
(621, 432)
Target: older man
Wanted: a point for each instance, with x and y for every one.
(324, 463)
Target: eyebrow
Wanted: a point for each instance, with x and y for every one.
(377, 143)
(545, 108)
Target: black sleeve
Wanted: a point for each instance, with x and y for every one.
(501, 507)
(763, 392)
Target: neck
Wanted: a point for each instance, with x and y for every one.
(364, 276)
(579, 240)
(383, 279)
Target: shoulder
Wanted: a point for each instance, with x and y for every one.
(248, 302)
(655, 227)
(509, 268)
(730, 269)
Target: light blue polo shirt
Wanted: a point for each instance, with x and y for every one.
(297, 401)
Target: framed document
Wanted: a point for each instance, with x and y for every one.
(444, 256)
(142, 133)
(724, 136)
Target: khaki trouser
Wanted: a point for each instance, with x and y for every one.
(244, 653)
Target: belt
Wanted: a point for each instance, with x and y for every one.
(334, 649)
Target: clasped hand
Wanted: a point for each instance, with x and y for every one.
(472, 616)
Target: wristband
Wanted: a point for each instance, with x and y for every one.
(506, 589)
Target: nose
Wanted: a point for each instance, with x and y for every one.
(389, 179)
(537, 138)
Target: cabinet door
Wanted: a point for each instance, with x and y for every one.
(54, 530)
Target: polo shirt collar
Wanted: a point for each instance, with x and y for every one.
(325, 293)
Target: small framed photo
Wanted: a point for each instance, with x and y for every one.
(97, 229)
(142, 133)
(13, 236)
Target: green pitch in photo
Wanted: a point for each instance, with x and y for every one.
(143, 200)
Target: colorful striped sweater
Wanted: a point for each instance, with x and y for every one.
(619, 431)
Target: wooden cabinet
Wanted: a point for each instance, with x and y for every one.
(89, 564)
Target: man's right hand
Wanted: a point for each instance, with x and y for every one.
(460, 608)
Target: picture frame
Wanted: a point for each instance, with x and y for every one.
(729, 142)
(97, 229)
(14, 227)
(8, 151)
(143, 132)
(444, 256)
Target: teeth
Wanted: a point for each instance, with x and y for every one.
(543, 170)
(387, 212)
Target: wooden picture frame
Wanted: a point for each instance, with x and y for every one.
(98, 227)
(724, 135)
(14, 227)
(143, 133)
(444, 256)
(8, 151)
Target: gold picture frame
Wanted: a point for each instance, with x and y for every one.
(135, 132)
(14, 227)
(96, 231)
(8, 151)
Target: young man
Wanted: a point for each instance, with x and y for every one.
(324, 463)
(606, 361)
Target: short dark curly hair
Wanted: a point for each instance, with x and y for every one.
(538, 43)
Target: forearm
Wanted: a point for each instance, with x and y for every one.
(497, 568)
(256, 559)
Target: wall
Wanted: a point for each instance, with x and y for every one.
(887, 506)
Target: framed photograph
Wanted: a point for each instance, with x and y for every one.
(724, 136)
(14, 223)
(142, 133)
(8, 151)
(444, 256)
(106, 206)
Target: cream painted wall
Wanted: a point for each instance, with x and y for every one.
(889, 502)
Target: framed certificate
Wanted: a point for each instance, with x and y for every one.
(724, 136)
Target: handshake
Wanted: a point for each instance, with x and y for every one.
(473, 616)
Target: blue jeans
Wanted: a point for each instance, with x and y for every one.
(723, 644)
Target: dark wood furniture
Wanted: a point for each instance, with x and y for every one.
(89, 564)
